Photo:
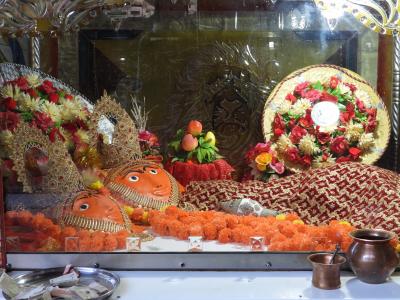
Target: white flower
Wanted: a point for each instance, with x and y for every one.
(364, 97)
(300, 107)
(353, 132)
(28, 103)
(52, 110)
(366, 141)
(319, 162)
(33, 80)
(284, 107)
(307, 145)
(283, 143)
(83, 135)
(344, 89)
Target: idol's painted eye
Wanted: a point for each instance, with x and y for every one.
(134, 178)
(153, 171)
(84, 206)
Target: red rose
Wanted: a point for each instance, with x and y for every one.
(354, 153)
(32, 93)
(47, 87)
(301, 87)
(291, 123)
(70, 127)
(22, 83)
(325, 96)
(325, 156)
(297, 133)
(42, 121)
(371, 112)
(292, 154)
(360, 105)
(10, 103)
(352, 87)
(312, 95)
(55, 133)
(306, 121)
(68, 97)
(54, 98)
(9, 120)
(306, 160)
(278, 125)
(323, 137)
(370, 126)
(342, 159)
(262, 147)
(334, 82)
(349, 114)
(291, 98)
(339, 145)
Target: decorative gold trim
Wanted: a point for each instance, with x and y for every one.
(62, 175)
(380, 16)
(125, 140)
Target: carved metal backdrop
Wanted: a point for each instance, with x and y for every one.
(224, 86)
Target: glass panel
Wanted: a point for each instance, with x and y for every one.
(217, 65)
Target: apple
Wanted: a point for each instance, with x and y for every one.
(210, 138)
(194, 128)
(189, 143)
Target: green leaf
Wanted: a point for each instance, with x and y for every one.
(341, 107)
(199, 156)
(27, 116)
(179, 134)
(201, 140)
(318, 86)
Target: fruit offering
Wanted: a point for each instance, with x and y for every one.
(194, 156)
(194, 145)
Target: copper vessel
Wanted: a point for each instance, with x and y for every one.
(325, 275)
(371, 257)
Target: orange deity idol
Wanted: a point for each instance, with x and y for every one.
(94, 211)
(143, 183)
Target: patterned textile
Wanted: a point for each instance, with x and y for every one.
(364, 195)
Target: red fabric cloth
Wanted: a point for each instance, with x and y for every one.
(186, 172)
(364, 195)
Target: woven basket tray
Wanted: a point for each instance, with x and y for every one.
(323, 73)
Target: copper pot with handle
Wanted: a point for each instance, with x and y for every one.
(371, 257)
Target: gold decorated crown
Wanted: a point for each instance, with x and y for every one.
(60, 174)
(120, 143)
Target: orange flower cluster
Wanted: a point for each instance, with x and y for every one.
(89, 241)
(281, 233)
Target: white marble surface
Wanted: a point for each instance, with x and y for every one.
(244, 286)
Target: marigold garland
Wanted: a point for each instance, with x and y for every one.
(47, 236)
(281, 233)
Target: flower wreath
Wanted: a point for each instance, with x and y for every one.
(303, 138)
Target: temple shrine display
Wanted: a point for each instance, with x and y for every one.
(106, 179)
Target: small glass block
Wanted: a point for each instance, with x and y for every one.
(195, 243)
(133, 244)
(13, 243)
(71, 244)
(257, 243)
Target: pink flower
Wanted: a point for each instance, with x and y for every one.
(360, 105)
(278, 125)
(292, 154)
(312, 95)
(262, 147)
(297, 133)
(301, 87)
(278, 167)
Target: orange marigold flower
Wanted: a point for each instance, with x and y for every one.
(225, 236)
